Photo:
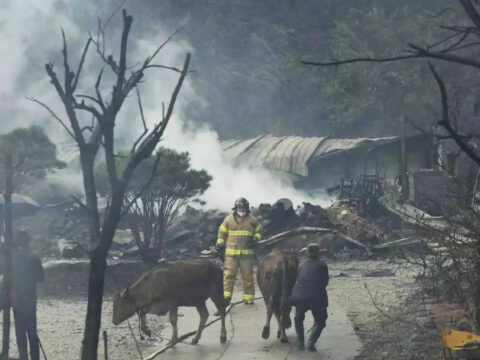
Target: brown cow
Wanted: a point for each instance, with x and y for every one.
(165, 288)
(276, 277)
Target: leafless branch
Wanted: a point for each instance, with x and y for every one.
(97, 91)
(445, 119)
(100, 46)
(115, 12)
(465, 46)
(175, 93)
(441, 55)
(441, 12)
(96, 101)
(69, 75)
(471, 12)
(82, 106)
(140, 107)
(360, 59)
(79, 202)
(166, 67)
(448, 38)
(144, 187)
(419, 53)
(64, 125)
(145, 130)
(151, 57)
(87, 128)
(454, 46)
(147, 146)
(80, 65)
(67, 101)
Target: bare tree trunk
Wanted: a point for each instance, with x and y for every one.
(98, 263)
(7, 280)
(88, 161)
(94, 308)
(102, 133)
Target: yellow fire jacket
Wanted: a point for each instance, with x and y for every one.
(238, 233)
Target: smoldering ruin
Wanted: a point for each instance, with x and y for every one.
(141, 141)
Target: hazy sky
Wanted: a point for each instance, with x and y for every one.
(32, 37)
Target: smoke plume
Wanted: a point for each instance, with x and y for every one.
(32, 37)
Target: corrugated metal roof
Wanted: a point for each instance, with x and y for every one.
(332, 146)
(291, 154)
(288, 154)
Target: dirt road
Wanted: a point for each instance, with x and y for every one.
(244, 325)
(61, 324)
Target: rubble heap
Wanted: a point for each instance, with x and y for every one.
(346, 220)
(194, 231)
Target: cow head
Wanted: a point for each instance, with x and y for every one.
(123, 307)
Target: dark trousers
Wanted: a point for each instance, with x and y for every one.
(26, 326)
(319, 312)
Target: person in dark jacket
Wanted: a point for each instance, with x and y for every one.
(27, 271)
(310, 293)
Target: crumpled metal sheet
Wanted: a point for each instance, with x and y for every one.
(331, 146)
(291, 154)
(287, 154)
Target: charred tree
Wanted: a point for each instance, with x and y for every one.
(99, 135)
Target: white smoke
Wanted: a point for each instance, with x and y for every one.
(31, 37)
(229, 183)
(256, 184)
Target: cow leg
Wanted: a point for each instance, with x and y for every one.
(266, 328)
(202, 310)
(142, 318)
(219, 301)
(281, 329)
(173, 316)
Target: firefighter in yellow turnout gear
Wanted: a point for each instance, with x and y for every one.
(239, 233)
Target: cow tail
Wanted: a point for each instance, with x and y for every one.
(285, 301)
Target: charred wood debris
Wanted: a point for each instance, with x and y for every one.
(346, 228)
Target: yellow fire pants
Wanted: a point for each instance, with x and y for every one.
(245, 263)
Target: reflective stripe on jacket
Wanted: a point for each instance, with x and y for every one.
(237, 234)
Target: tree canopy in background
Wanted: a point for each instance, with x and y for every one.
(370, 98)
(248, 63)
(26, 154)
(32, 156)
(173, 186)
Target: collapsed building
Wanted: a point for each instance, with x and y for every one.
(319, 162)
(307, 163)
(310, 163)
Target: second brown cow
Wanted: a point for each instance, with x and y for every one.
(276, 277)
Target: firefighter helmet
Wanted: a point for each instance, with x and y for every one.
(241, 203)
